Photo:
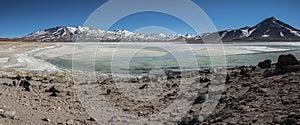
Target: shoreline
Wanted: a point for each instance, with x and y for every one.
(13, 49)
(42, 46)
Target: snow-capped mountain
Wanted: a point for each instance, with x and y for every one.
(80, 33)
(189, 35)
(270, 29)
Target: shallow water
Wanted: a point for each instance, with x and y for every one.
(143, 57)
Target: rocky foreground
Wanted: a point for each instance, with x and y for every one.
(264, 94)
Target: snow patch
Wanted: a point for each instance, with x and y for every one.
(296, 33)
(223, 35)
(281, 34)
(188, 36)
(245, 33)
(265, 36)
(253, 30)
(267, 31)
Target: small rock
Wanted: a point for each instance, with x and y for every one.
(25, 84)
(228, 79)
(175, 85)
(265, 64)
(53, 81)
(134, 80)
(28, 78)
(54, 94)
(33, 88)
(245, 72)
(268, 73)
(108, 91)
(289, 121)
(144, 86)
(69, 122)
(46, 119)
(294, 115)
(14, 83)
(91, 119)
(53, 90)
(69, 93)
(17, 78)
(202, 79)
(9, 114)
(171, 96)
(200, 99)
(146, 79)
(126, 109)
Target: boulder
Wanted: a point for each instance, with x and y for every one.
(265, 64)
(287, 60)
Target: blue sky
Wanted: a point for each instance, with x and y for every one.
(21, 17)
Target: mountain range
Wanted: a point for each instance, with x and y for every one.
(64, 33)
(270, 29)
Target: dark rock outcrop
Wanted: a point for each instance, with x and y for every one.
(287, 60)
(265, 64)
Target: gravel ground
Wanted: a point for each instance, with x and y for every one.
(251, 95)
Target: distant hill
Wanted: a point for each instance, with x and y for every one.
(11, 39)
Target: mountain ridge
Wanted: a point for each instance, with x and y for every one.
(81, 33)
(270, 29)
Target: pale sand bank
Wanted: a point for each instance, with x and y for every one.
(15, 55)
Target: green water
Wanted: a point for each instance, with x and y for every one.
(141, 58)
